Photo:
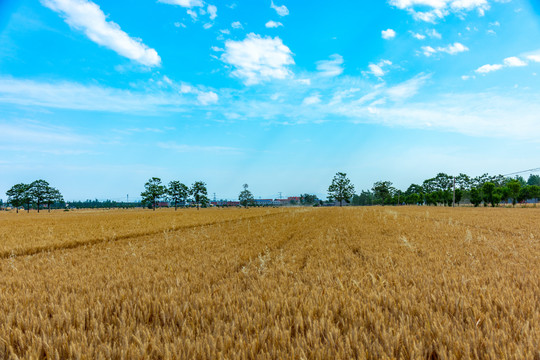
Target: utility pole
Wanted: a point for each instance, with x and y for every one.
(454, 194)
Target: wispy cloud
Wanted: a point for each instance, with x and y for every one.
(185, 148)
(184, 3)
(167, 96)
(280, 10)
(378, 69)
(332, 67)
(87, 17)
(32, 132)
(440, 8)
(451, 49)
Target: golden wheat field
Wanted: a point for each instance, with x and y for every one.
(298, 283)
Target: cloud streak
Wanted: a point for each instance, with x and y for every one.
(86, 16)
(76, 96)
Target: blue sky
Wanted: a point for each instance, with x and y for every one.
(97, 97)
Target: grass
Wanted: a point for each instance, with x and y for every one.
(409, 282)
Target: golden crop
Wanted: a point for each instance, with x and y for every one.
(407, 282)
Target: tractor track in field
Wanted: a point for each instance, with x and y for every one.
(6, 254)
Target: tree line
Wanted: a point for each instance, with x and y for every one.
(34, 195)
(443, 189)
(446, 190)
(176, 192)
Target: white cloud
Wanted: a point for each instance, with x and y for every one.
(440, 8)
(534, 58)
(208, 26)
(377, 69)
(331, 67)
(179, 24)
(488, 68)
(434, 34)
(428, 50)
(418, 36)
(207, 98)
(183, 3)
(454, 48)
(388, 34)
(281, 10)
(237, 25)
(212, 11)
(451, 49)
(312, 100)
(514, 62)
(257, 59)
(86, 16)
(273, 24)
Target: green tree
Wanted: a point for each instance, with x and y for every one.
(476, 196)
(52, 196)
(341, 189)
(38, 190)
(383, 191)
(535, 191)
(505, 194)
(514, 186)
(177, 192)
(533, 180)
(153, 190)
(308, 199)
(199, 193)
(18, 195)
(464, 182)
(521, 180)
(246, 197)
(458, 195)
(488, 189)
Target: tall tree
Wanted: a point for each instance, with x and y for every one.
(514, 186)
(199, 193)
(476, 196)
(341, 188)
(246, 197)
(489, 191)
(52, 196)
(382, 190)
(18, 195)
(153, 191)
(533, 180)
(38, 190)
(177, 192)
(464, 182)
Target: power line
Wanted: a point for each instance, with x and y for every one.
(523, 171)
